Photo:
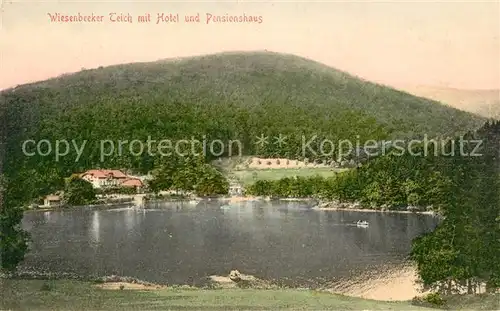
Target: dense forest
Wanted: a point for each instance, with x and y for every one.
(231, 96)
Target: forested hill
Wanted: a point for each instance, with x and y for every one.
(268, 89)
(221, 96)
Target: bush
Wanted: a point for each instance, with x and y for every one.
(432, 300)
(244, 284)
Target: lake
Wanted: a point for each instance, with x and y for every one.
(175, 243)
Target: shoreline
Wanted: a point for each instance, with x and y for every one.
(131, 203)
(336, 208)
(347, 209)
(233, 200)
(69, 208)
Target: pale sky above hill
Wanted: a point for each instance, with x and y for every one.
(441, 44)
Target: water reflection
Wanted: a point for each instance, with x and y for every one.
(95, 228)
(129, 219)
(47, 216)
(175, 243)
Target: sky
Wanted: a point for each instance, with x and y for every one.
(434, 43)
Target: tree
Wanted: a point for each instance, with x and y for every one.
(465, 248)
(435, 256)
(162, 179)
(13, 239)
(211, 182)
(79, 192)
(186, 173)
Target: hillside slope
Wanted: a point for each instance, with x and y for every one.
(485, 103)
(222, 96)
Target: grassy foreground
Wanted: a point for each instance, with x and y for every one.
(75, 295)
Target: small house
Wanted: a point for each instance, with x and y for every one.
(52, 200)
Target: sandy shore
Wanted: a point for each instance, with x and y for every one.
(396, 284)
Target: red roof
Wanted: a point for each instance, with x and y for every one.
(132, 182)
(105, 174)
(115, 173)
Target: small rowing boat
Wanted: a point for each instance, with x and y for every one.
(363, 223)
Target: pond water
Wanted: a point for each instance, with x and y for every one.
(175, 243)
